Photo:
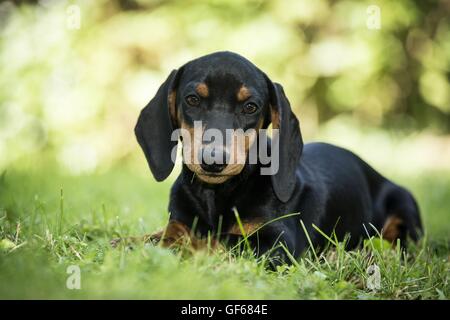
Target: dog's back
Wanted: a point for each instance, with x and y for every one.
(357, 198)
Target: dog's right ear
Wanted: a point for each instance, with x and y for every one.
(154, 128)
(289, 141)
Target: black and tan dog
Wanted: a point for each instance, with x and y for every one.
(330, 187)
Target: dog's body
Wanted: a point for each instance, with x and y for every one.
(329, 187)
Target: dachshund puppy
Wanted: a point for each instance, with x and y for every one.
(325, 185)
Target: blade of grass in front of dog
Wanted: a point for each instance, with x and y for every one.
(194, 226)
(274, 220)
(330, 240)
(265, 224)
(219, 228)
(374, 251)
(161, 241)
(324, 235)
(309, 239)
(275, 246)
(208, 241)
(241, 227)
(290, 256)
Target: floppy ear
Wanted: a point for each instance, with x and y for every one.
(155, 126)
(290, 142)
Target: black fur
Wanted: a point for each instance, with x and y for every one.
(329, 186)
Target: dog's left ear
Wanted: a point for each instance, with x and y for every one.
(154, 128)
(290, 142)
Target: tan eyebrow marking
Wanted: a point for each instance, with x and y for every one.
(202, 90)
(243, 93)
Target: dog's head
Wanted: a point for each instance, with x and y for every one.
(218, 103)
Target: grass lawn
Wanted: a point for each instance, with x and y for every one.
(42, 233)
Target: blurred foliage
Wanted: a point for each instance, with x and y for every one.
(75, 93)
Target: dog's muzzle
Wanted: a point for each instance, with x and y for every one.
(213, 159)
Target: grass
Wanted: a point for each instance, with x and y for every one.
(50, 221)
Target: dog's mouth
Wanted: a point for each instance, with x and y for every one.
(213, 174)
(214, 177)
(209, 174)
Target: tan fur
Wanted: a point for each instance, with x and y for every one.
(202, 90)
(243, 93)
(275, 117)
(249, 227)
(177, 234)
(390, 231)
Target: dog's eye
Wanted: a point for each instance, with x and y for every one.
(250, 108)
(192, 100)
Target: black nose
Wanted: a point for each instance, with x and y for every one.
(213, 159)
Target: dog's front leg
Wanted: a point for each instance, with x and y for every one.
(177, 234)
(174, 235)
(274, 241)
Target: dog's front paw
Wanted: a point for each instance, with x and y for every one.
(129, 242)
(154, 238)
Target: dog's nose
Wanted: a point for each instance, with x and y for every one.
(213, 159)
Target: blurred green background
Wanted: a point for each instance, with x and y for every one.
(74, 76)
